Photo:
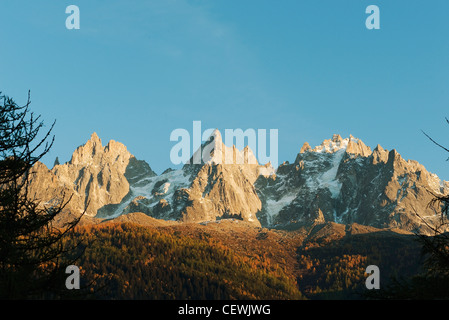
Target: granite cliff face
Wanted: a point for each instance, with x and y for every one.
(341, 180)
(108, 182)
(222, 186)
(95, 176)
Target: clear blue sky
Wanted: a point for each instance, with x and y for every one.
(136, 70)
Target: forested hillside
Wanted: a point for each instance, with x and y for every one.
(128, 261)
(335, 269)
(233, 261)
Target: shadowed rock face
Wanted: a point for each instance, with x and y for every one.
(341, 181)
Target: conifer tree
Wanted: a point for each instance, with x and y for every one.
(32, 256)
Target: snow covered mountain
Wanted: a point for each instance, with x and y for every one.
(341, 180)
(220, 187)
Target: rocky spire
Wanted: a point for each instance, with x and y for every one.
(305, 147)
(85, 153)
(352, 145)
(356, 146)
(380, 155)
(332, 145)
(56, 162)
(95, 175)
(215, 152)
(337, 138)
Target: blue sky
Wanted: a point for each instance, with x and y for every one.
(136, 70)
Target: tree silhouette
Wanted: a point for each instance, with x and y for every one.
(436, 249)
(32, 256)
(433, 280)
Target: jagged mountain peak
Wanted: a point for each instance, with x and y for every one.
(351, 145)
(215, 152)
(94, 137)
(341, 181)
(94, 151)
(332, 145)
(95, 176)
(337, 143)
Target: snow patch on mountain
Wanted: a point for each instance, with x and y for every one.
(273, 207)
(328, 179)
(334, 145)
(154, 189)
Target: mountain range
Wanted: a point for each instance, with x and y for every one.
(340, 180)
